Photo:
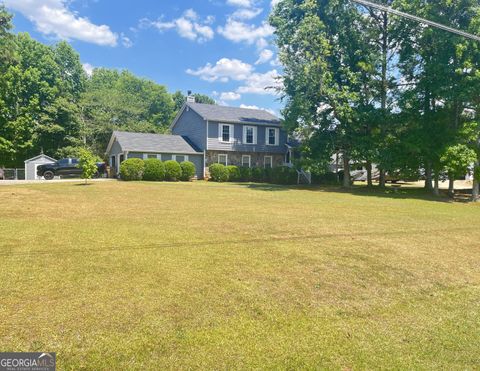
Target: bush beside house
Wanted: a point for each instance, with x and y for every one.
(188, 170)
(277, 175)
(173, 171)
(154, 170)
(233, 173)
(132, 169)
(218, 172)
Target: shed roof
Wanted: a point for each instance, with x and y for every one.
(156, 143)
(213, 112)
(39, 157)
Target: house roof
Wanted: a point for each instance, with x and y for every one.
(213, 112)
(156, 143)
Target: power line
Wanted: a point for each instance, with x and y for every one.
(418, 19)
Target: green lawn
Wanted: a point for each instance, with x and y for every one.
(215, 276)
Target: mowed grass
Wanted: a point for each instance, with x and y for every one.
(157, 276)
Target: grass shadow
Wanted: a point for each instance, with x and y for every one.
(267, 187)
(399, 191)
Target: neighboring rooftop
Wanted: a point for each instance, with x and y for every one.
(157, 143)
(213, 112)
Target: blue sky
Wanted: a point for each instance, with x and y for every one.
(222, 48)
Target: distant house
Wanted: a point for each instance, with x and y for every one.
(207, 134)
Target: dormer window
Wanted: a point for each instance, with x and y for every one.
(272, 136)
(249, 135)
(226, 133)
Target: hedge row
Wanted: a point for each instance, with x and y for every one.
(156, 170)
(276, 175)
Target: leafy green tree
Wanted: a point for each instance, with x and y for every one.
(116, 100)
(325, 60)
(87, 161)
(456, 161)
(180, 99)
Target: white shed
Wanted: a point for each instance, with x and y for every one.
(32, 164)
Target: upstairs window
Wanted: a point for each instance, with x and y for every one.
(249, 135)
(272, 136)
(226, 133)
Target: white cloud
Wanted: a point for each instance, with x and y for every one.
(275, 62)
(246, 13)
(126, 42)
(265, 56)
(88, 68)
(261, 83)
(274, 3)
(241, 3)
(224, 70)
(227, 69)
(52, 17)
(188, 26)
(230, 96)
(256, 107)
(237, 31)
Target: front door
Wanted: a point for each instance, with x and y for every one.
(120, 160)
(113, 163)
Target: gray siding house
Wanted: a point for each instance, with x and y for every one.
(207, 134)
(233, 136)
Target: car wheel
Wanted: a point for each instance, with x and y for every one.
(48, 175)
(96, 175)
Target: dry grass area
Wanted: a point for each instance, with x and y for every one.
(214, 276)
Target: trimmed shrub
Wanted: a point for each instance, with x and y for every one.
(257, 174)
(132, 169)
(154, 170)
(245, 174)
(284, 175)
(218, 172)
(173, 171)
(267, 175)
(188, 171)
(326, 178)
(233, 173)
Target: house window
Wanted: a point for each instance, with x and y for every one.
(179, 158)
(223, 159)
(149, 155)
(246, 160)
(272, 136)
(267, 161)
(226, 133)
(249, 135)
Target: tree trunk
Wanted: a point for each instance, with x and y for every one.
(451, 185)
(475, 191)
(382, 180)
(476, 183)
(369, 174)
(428, 177)
(436, 189)
(346, 170)
(384, 88)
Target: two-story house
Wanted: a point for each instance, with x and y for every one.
(207, 134)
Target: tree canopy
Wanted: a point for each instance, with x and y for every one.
(49, 104)
(381, 89)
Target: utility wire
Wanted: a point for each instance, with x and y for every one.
(418, 19)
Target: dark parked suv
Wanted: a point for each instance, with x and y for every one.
(66, 167)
